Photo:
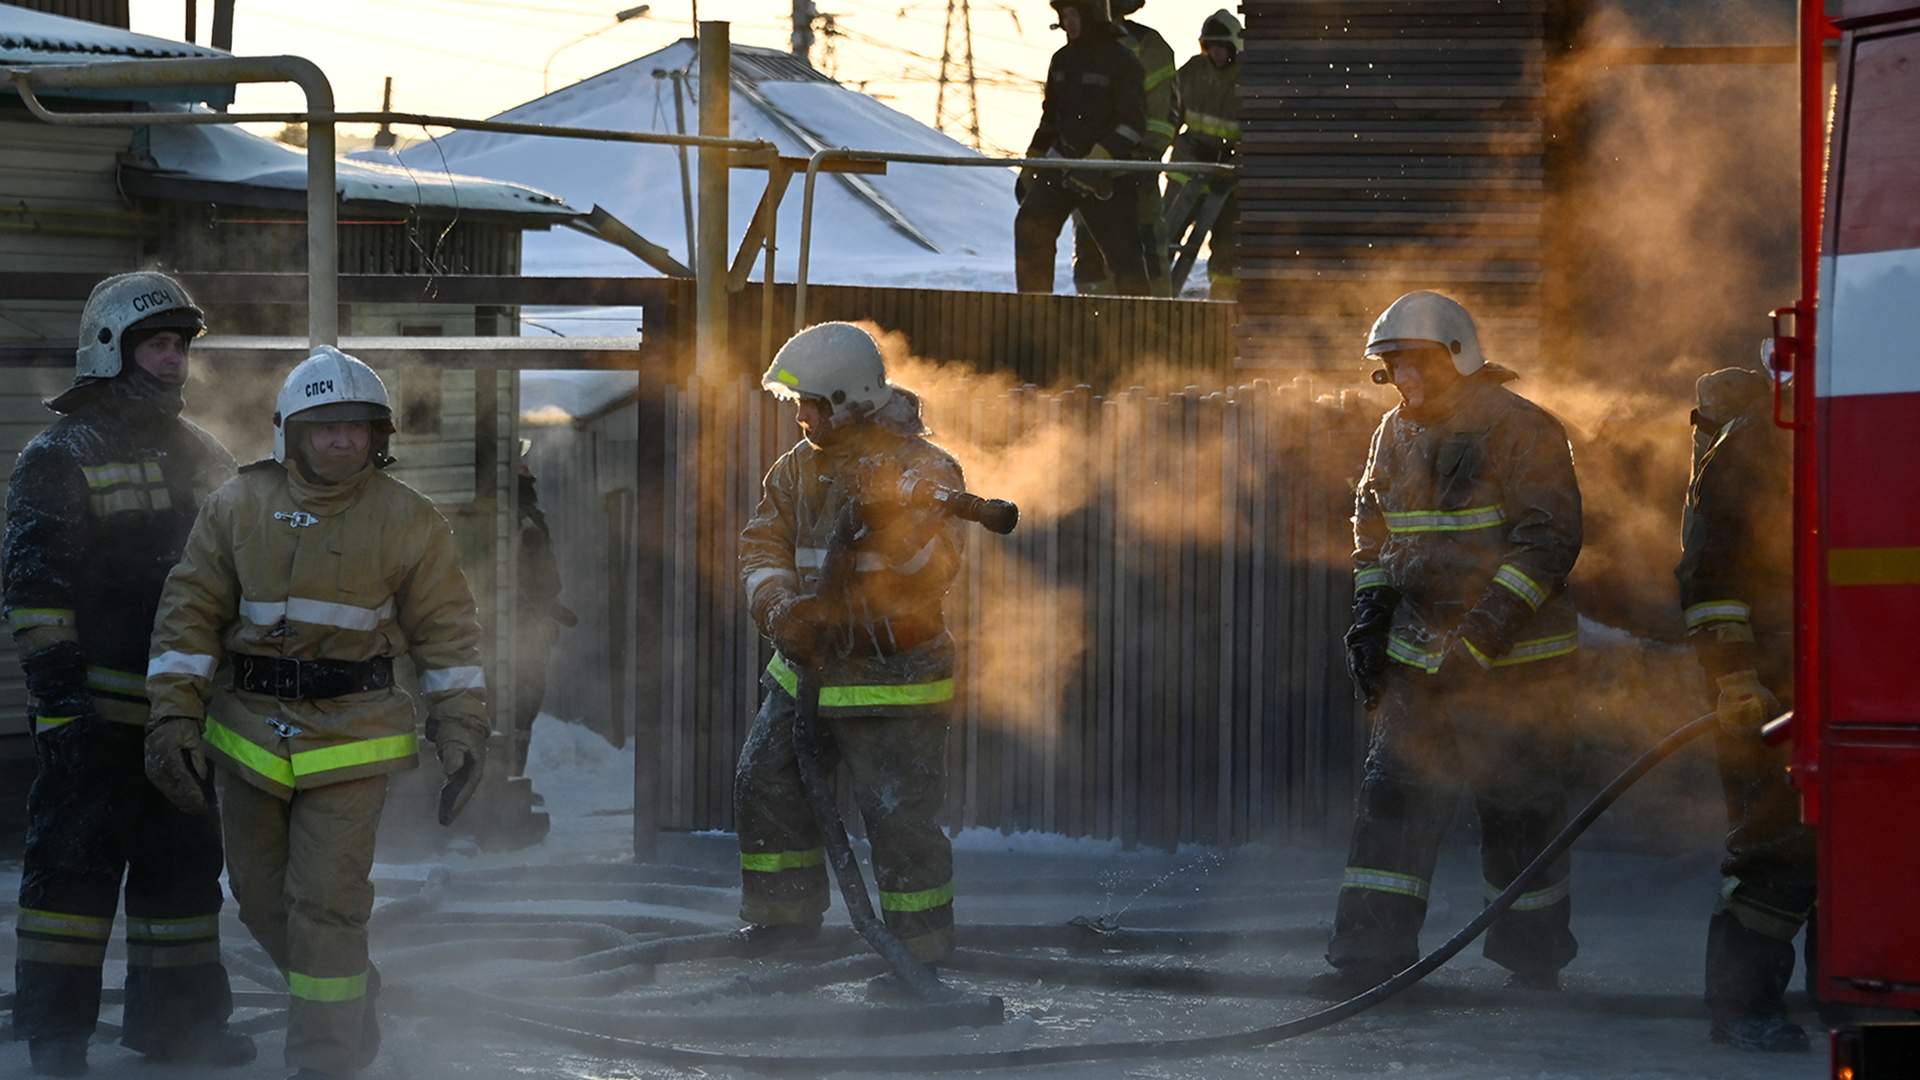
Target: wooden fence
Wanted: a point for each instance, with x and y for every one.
(1153, 656)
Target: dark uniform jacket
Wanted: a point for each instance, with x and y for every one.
(893, 650)
(1096, 96)
(1470, 513)
(98, 511)
(1736, 566)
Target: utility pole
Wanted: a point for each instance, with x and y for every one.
(949, 70)
(383, 139)
(802, 40)
(193, 21)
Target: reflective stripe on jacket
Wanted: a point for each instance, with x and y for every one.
(280, 567)
(1475, 506)
(1209, 111)
(1163, 92)
(902, 570)
(98, 508)
(1736, 563)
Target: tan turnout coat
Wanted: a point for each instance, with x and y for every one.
(278, 566)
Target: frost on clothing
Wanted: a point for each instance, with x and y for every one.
(281, 567)
(1466, 524)
(1472, 518)
(98, 508)
(887, 684)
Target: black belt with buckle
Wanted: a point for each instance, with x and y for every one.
(306, 680)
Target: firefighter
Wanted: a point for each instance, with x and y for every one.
(1736, 592)
(1094, 107)
(541, 614)
(98, 508)
(1466, 524)
(303, 579)
(884, 655)
(1163, 112)
(1210, 131)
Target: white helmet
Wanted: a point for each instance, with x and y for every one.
(837, 362)
(1425, 319)
(329, 385)
(1221, 28)
(143, 300)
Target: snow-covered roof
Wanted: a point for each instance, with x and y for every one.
(965, 213)
(35, 37)
(222, 155)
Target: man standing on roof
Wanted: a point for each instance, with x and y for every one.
(1210, 132)
(883, 651)
(305, 576)
(1095, 109)
(1466, 524)
(1163, 111)
(1736, 594)
(98, 508)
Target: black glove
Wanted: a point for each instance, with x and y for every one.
(800, 628)
(1366, 640)
(1023, 185)
(1490, 626)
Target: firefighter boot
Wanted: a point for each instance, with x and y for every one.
(59, 1057)
(760, 939)
(1536, 980)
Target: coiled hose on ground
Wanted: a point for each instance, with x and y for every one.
(1146, 1048)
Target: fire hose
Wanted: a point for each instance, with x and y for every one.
(996, 515)
(1194, 1046)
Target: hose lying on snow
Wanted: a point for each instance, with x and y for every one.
(1148, 1048)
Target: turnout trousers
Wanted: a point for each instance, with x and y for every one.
(1090, 268)
(1110, 222)
(300, 870)
(1767, 880)
(899, 770)
(1502, 736)
(93, 818)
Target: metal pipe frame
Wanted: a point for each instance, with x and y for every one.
(323, 257)
(962, 161)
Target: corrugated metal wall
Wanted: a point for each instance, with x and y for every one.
(1389, 146)
(1156, 662)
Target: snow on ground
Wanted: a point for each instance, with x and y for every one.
(1630, 1007)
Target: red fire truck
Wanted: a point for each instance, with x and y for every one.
(1847, 370)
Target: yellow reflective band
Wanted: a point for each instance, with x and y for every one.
(1161, 127)
(1712, 611)
(1180, 177)
(187, 929)
(787, 377)
(1874, 566)
(1527, 652)
(1155, 78)
(1468, 520)
(64, 924)
(22, 618)
(315, 988)
(924, 900)
(863, 697)
(1386, 881)
(1215, 126)
(115, 502)
(1412, 656)
(108, 475)
(48, 723)
(1373, 577)
(110, 681)
(772, 862)
(257, 758)
(1535, 899)
(1515, 581)
(350, 755)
